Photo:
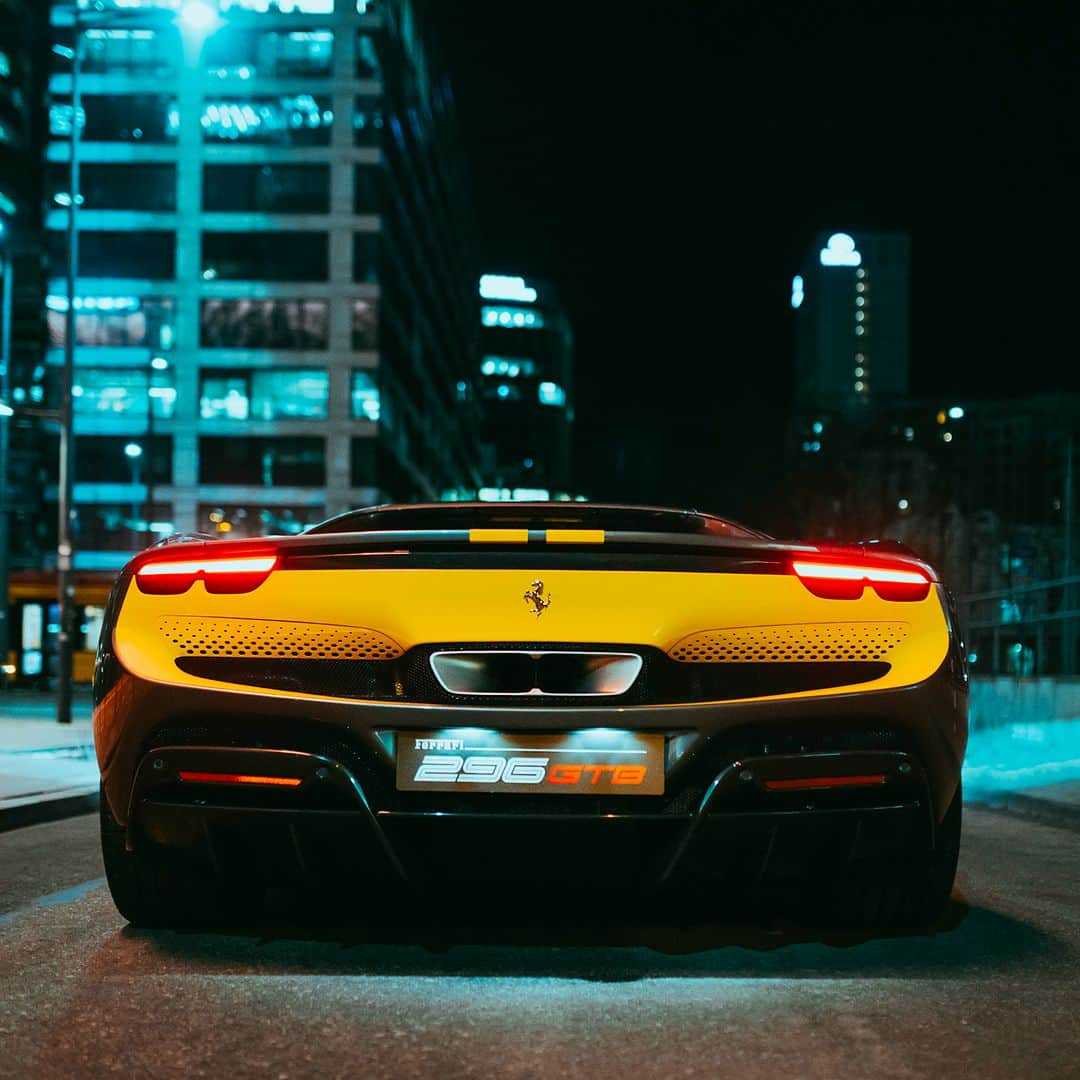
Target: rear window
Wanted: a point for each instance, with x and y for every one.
(533, 516)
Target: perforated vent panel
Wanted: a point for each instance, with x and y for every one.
(810, 642)
(275, 640)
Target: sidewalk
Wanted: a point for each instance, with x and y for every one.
(47, 770)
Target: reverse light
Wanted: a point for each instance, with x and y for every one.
(846, 581)
(239, 575)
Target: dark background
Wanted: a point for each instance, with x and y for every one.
(668, 164)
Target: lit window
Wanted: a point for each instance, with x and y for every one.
(286, 7)
(507, 366)
(289, 394)
(224, 397)
(798, 293)
(512, 318)
(552, 394)
(839, 250)
(365, 396)
(909, 434)
(502, 287)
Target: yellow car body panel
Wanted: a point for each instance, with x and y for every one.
(414, 606)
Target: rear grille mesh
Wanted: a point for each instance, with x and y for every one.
(809, 642)
(266, 639)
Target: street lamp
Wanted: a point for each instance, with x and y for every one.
(196, 19)
(6, 413)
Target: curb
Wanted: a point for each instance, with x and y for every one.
(1059, 815)
(54, 806)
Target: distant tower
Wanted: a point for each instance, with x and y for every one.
(852, 322)
(526, 388)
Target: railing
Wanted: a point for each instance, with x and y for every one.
(1024, 630)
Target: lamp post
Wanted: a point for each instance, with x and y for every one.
(6, 412)
(196, 18)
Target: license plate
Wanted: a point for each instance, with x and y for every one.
(599, 762)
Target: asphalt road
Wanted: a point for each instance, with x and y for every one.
(994, 992)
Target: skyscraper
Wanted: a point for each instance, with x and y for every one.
(275, 311)
(273, 308)
(526, 388)
(851, 301)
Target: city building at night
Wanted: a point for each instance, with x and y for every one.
(272, 310)
(525, 385)
(275, 308)
(23, 53)
(851, 312)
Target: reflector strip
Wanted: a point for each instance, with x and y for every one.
(843, 572)
(498, 536)
(805, 783)
(575, 536)
(238, 778)
(261, 565)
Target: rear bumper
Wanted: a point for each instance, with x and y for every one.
(923, 727)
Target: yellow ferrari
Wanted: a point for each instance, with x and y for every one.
(529, 696)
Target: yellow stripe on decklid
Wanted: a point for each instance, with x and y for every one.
(498, 536)
(575, 536)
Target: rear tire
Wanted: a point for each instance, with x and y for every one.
(911, 892)
(155, 888)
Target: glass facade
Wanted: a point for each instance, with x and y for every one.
(365, 324)
(262, 462)
(365, 396)
(248, 53)
(122, 392)
(281, 120)
(276, 394)
(109, 186)
(267, 189)
(258, 284)
(115, 322)
(264, 324)
(265, 256)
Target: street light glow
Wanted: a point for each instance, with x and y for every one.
(6, 410)
(133, 450)
(198, 17)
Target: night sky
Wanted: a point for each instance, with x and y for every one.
(667, 165)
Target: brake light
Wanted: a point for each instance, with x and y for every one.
(846, 581)
(808, 783)
(239, 575)
(239, 778)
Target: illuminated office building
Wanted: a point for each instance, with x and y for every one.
(851, 301)
(275, 310)
(525, 386)
(23, 52)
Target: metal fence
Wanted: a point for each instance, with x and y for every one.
(1023, 630)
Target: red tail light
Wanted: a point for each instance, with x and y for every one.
(238, 778)
(846, 581)
(233, 575)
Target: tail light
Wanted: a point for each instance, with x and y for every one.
(230, 575)
(846, 581)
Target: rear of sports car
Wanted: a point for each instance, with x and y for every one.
(527, 697)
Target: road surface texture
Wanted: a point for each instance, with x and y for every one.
(994, 992)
